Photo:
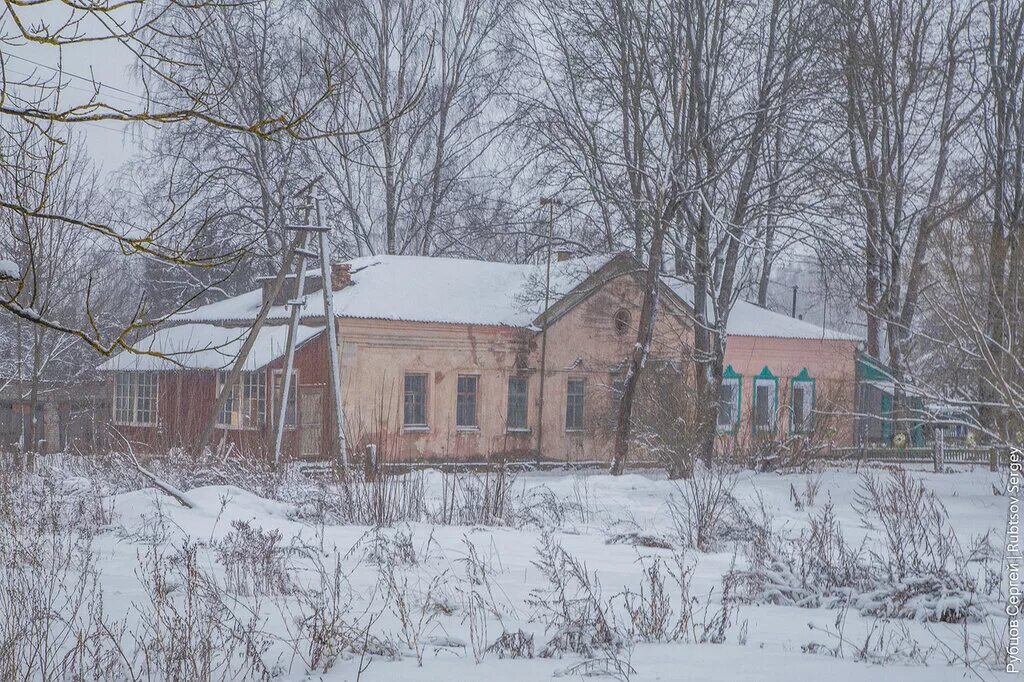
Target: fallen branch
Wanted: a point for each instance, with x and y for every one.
(157, 482)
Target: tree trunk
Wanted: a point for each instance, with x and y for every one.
(641, 350)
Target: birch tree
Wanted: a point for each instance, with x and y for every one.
(1002, 140)
(150, 37)
(425, 80)
(903, 98)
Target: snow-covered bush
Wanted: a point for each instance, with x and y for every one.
(704, 506)
(516, 644)
(188, 628)
(919, 572)
(326, 630)
(48, 590)
(254, 560)
(571, 605)
(913, 524)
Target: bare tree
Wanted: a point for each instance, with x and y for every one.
(425, 80)
(233, 185)
(151, 36)
(657, 119)
(60, 266)
(1002, 142)
(903, 98)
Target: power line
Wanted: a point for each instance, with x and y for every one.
(139, 99)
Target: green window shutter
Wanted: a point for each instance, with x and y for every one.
(802, 417)
(766, 402)
(730, 401)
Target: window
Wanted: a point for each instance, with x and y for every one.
(246, 406)
(622, 320)
(135, 398)
(803, 389)
(518, 392)
(574, 395)
(729, 400)
(872, 412)
(729, 403)
(414, 414)
(465, 402)
(291, 410)
(766, 393)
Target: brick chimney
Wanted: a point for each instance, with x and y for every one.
(341, 276)
(287, 291)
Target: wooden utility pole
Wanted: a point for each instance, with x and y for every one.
(333, 349)
(295, 305)
(236, 369)
(550, 202)
(268, 301)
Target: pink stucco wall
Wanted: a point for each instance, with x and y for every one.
(830, 362)
(583, 343)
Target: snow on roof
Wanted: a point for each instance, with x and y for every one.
(423, 289)
(9, 270)
(206, 346)
(749, 319)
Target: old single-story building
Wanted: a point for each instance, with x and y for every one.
(67, 415)
(463, 359)
(877, 422)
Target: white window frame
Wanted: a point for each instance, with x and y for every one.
(416, 426)
(475, 395)
(277, 376)
(809, 387)
(246, 409)
(772, 385)
(736, 383)
(526, 405)
(131, 415)
(581, 427)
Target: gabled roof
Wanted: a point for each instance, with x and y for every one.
(749, 319)
(422, 289)
(206, 346)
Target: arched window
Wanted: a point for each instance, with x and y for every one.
(802, 395)
(766, 402)
(729, 400)
(622, 320)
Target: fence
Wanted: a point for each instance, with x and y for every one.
(938, 455)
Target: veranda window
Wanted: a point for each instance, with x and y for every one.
(246, 406)
(135, 395)
(291, 412)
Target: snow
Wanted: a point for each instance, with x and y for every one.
(749, 319)
(465, 291)
(206, 346)
(422, 289)
(780, 642)
(9, 270)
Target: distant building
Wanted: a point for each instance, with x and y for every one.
(68, 416)
(877, 421)
(455, 359)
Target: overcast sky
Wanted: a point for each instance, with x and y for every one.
(108, 64)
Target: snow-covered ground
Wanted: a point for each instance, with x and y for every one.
(425, 601)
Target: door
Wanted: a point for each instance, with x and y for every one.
(311, 418)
